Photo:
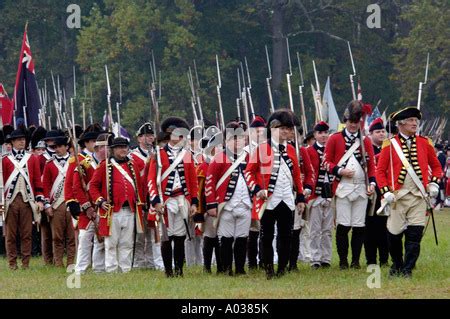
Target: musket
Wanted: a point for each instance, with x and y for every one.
(219, 98)
(419, 98)
(193, 98)
(83, 105)
(268, 79)
(162, 222)
(352, 82)
(55, 103)
(239, 98)
(154, 98)
(317, 94)
(91, 121)
(199, 103)
(109, 99)
(119, 104)
(249, 87)
(302, 103)
(291, 101)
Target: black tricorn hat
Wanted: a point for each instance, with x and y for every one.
(37, 136)
(62, 140)
(405, 113)
(15, 134)
(280, 118)
(173, 122)
(119, 141)
(146, 128)
(53, 134)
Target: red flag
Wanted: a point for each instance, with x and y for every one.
(26, 96)
(6, 106)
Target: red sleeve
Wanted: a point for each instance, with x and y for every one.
(193, 184)
(38, 187)
(308, 169)
(297, 176)
(139, 184)
(329, 155)
(95, 185)
(252, 170)
(79, 194)
(47, 180)
(211, 182)
(151, 182)
(68, 183)
(382, 170)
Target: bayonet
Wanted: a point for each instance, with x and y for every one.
(219, 98)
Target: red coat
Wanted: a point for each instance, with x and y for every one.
(426, 156)
(190, 177)
(69, 195)
(139, 160)
(259, 170)
(122, 191)
(202, 170)
(51, 172)
(315, 162)
(335, 149)
(217, 168)
(80, 195)
(34, 174)
(307, 169)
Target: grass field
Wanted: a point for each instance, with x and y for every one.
(431, 279)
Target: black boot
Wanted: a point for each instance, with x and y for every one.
(342, 245)
(178, 254)
(413, 236)
(396, 251)
(252, 250)
(383, 248)
(226, 251)
(370, 241)
(216, 247)
(357, 243)
(207, 253)
(295, 249)
(240, 253)
(166, 254)
(270, 272)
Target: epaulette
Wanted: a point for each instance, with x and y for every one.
(86, 162)
(49, 160)
(386, 143)
(72, 160)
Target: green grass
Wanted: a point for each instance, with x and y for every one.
(431, 279)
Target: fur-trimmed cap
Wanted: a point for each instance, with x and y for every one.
(355, 110)
(280, 118)
(173, 122)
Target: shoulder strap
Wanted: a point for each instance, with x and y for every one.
(123, 172)
(231, 169)
(408, 167)
(349, 153)
(174, 164)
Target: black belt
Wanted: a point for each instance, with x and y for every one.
(177, 192)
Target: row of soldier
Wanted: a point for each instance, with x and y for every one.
(147, 207)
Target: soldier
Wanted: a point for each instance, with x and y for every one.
(273, 174)
(88, 219)
(23, 198)
(46, 231)
(376, 231)
(344, 158)
(193, 246)
(257, 136)
(211, 146)
(55, 171)
(176, 194)
(321, 214)
(404, 180)
(228, 198)
(148, 251)
(116, 190)
(300, 232)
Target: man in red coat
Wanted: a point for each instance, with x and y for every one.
(273, 175)
(344, 158)
(173, 190)
(55, 171)
(404, 180)
(321, 213)
(23, 198)
(229, 199)
(148, 250)
(91, 246)
(116, 190)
